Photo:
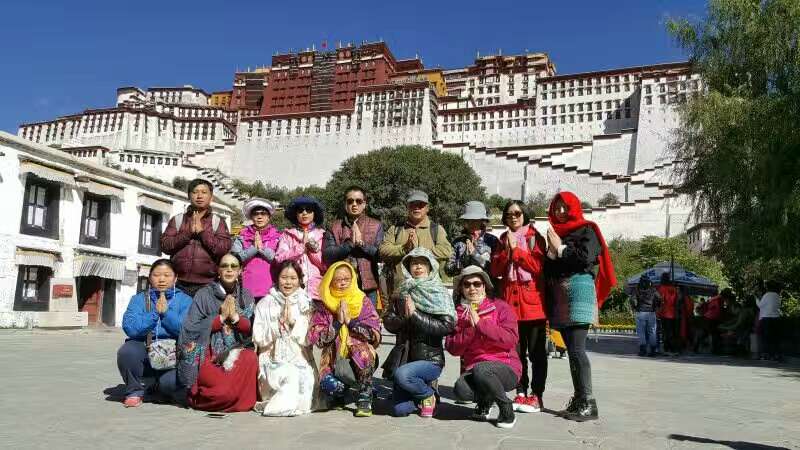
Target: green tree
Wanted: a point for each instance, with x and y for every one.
(739, 143)
(538, 204)
(387, 174)
(180, 183)
(608, 199)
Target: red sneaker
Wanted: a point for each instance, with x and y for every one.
(533, 403)
(520, 402)
(132, 402)
(428, 407)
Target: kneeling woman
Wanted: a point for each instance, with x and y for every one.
(347, 328)
(575, 293)
(287, 374)
(216, 359)
(486, 339)
(421, 317)
(153, 315)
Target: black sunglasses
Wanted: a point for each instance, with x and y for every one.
(357, 201)
(469, 284)
(305, 209)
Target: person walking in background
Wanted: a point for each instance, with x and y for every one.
(769, 311)
(518, 263)
(645, 302)
(196, 239)
(303, 241)
(355, 238)
(256, 245)
(575, 247)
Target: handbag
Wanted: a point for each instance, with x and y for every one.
(160, 352)
(396, 358)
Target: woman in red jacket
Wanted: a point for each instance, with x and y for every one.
(518, 262)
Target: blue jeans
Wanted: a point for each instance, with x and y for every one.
(646, 329)
(134, 366)
(411, 384)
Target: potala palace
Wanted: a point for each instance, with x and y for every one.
(524, 128)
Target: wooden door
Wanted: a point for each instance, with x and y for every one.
(90, 297)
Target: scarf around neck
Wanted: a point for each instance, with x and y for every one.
(352, 297)
(515, 272)
(429, 294)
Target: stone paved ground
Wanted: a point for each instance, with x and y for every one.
(58, 391)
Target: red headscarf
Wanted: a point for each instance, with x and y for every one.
(606, 279)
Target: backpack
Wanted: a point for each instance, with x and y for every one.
(214, 222)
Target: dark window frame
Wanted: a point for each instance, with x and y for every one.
(52, 202)
(158, 220)
(42, 300)
(103, 238)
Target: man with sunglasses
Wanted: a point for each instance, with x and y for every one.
(355, 238)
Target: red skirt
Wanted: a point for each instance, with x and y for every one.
(235, 390)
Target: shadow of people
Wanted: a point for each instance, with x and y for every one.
(736, 445)
(115, 393)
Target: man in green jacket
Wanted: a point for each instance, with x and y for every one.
(399, 240)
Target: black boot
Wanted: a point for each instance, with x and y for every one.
(481, 412)
(586, 410)
(653, 352)
(642, 350)
(506, 418)
(571, 408)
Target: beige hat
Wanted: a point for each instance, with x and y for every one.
(467, 272)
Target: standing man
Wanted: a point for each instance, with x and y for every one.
(416, 231)
(645, 301)
(197, 239)
(356, 239)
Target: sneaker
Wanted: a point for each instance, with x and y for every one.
(529, 404)
(428, 407)
(586, 410)
(336, 402)
(481, 413)
(132, 402)
(571, 407)
(506, 419)
(363, 408)
(534, 403)
(520, 401)
(463, 402)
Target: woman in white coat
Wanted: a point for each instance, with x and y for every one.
(287, 374)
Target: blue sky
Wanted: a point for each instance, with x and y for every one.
(62, 57)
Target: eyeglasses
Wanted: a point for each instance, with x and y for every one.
(305, 209)
(229, 266)
(342, 280)
(469, 284)
(357, 201)
(514, 214)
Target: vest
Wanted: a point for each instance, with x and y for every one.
(367, 269)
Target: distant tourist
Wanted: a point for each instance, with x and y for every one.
(347, 328)
(197, 239)
(303, 242)
(518, 263)
(416, 231)
(287, 374)
(215, 355)
(769, 311)
(256, 245)
(667, 315)
(575, 246)
(356, 239)
(421, 317)
(645, 302)
(474, 246)
(485, 338)
(712, 313)
(152, 324)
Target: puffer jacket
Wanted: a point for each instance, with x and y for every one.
(257, 269)
(195, 256)
(423, 332)
(646, 300)
(291, 247)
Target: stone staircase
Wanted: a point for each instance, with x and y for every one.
(223, 187)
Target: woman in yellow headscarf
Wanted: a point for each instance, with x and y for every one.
(346, 326)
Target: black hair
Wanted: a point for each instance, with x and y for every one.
(355, 187)
(294, 265)
(162, 262)
(197, 182)
(665, 278)
(526, 219)
(644, 282)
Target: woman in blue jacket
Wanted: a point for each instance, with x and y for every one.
(162, 319)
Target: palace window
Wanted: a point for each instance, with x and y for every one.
(150, 232)
(33, 288)
(40, 208)
(95, 221)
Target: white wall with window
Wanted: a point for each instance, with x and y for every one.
(71, 222)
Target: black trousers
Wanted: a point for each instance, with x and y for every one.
(486, 383)
(532, 345)
(579, 366)
(770, 336)
(668, 330)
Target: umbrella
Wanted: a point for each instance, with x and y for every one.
(692, 283)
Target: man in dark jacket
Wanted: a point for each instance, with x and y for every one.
(645, 302)
(356, 239)
(197, 239)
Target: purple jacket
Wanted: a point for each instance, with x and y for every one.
(494, 338)
(256, 274)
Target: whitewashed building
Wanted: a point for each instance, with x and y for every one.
(77, 237)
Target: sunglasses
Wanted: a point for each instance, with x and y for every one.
(514, 214)
(229, 266)
(305, 209)
(469, 284)
(355, 201)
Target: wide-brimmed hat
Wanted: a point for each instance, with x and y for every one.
(467, 272)
(291, 210)
(474, 210)
(257, 202)
(417, 196)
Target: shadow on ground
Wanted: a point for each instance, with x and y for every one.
(736, 445)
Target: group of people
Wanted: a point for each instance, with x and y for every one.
(670, 321)
(230, 325)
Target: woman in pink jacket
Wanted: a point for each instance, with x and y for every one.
(256, 245)
(303, 242)
(485, 338)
